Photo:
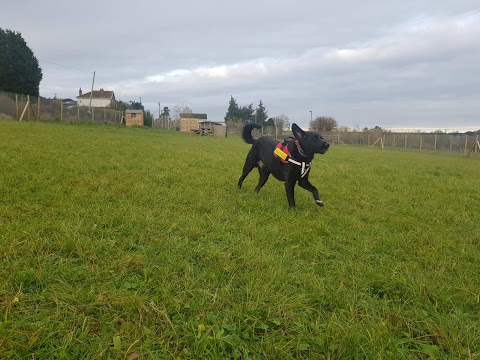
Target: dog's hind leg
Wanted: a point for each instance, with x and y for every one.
(250, 163)
(263, 178)
(304, 183)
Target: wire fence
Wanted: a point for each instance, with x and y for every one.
(464, 144)
(436, 142)
(30, 108)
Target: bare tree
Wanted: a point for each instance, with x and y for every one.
(280, 122)
(323, 123)
(180, 109)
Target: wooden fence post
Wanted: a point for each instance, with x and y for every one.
(476, 145)
(393, 145)
(93, 114)
(28, 110)
(16, 104)
(368, 141)
(451, 142)
(38, 107)
(421, 138)
(78, 113)
(61, 110)
(405, 141)
(435, 144)
(466, 144)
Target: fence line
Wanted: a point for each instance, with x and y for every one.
(436, 142)
(25, 107)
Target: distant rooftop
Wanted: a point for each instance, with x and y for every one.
(193, 116)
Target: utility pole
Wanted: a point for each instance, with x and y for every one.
(91, 92)
(310, 115)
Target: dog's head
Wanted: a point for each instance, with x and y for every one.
(311, 142)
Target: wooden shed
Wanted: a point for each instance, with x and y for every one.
(134, 118)
(213, 128)
(189, 122)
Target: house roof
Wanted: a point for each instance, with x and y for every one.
(129, 111)
(98, 94)
(193, 116)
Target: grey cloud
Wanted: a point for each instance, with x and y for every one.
(410, 63)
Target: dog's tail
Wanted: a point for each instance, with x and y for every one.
(247, 132)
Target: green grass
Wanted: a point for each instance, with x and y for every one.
(129, 243)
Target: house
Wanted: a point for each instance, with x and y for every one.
(134, 118)
(99, 99)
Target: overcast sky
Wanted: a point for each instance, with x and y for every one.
(402, 64)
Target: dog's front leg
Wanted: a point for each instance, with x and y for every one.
(290, 189)
(304, 183)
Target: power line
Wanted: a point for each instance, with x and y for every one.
(65, 66)
(73, 68)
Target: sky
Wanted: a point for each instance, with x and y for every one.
(404, 64)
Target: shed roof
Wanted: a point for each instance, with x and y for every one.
(130, 111)
(193, 116)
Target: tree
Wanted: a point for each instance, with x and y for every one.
(280, 122)
(135, 105)
(323, 123)
(148, 118)
(165, 113)
(19, 69)
(180, 109)
(245, 113)
(261, 114)
(239, 114)
(232, 112)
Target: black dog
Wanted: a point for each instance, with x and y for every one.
(288, 161)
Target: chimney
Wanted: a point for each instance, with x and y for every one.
(80, 92)
(102, 93)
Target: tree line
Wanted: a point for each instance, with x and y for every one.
(244, 114)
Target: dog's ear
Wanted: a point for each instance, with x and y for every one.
(298, 133)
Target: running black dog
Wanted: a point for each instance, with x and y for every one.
(288, 161)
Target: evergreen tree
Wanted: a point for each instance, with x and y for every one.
(246, 113)
(165, 113)
(233, 111)
(261, 114)
(239, 114)
(19, 69)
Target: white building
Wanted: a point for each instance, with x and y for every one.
(100, 99)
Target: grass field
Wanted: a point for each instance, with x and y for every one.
(130, 243)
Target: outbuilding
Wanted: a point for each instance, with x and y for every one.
(134, 118)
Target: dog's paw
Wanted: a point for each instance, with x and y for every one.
(319, 202)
